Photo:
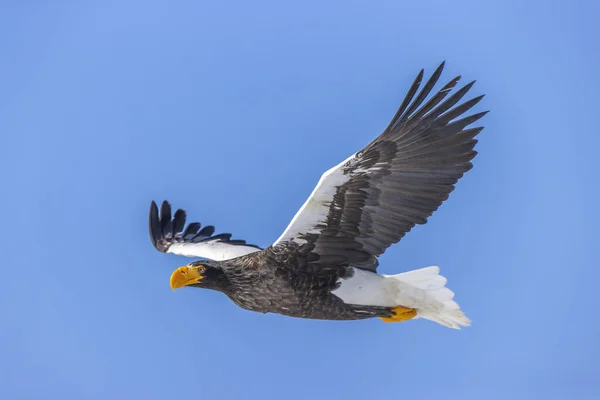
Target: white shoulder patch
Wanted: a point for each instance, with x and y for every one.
(315, 209)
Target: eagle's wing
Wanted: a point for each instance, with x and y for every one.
(372, 199)
(168, 236)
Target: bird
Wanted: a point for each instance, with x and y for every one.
(324, 265)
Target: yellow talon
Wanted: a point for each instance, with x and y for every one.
(401, 314)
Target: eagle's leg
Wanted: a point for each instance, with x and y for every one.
(399, 314)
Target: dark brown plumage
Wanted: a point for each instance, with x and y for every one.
(265, 282)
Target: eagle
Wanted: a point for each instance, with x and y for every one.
(324, 265)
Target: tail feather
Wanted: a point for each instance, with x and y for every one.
(428, 293)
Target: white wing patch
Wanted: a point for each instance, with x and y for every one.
(315, 209)
(169, 236)
(213, 250)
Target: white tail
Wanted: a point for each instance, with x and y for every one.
(425, 290)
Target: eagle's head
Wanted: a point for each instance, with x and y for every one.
(208, 274)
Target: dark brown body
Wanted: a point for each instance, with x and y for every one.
(264, 282)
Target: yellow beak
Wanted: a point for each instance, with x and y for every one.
(184, 276)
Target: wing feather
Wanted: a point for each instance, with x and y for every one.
(167, 237)
(374, 197)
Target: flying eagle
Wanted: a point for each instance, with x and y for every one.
(324, 265)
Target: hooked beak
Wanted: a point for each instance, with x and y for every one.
(185, 276)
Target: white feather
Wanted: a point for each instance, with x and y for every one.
(315, 209)
(422, 289)
(367, 288)
(213, 250)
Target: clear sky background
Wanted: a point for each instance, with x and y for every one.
(232, 110)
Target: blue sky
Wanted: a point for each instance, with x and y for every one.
(232, 110)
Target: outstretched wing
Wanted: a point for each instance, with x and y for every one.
(168, 236)
(372, 199)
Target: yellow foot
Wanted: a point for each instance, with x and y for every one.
(401, 314)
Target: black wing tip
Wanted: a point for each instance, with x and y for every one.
(470, 84)
(154, 225)
(448, 105)
(438, 71)
(451, 84)
(166, 229)
(155, 221)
